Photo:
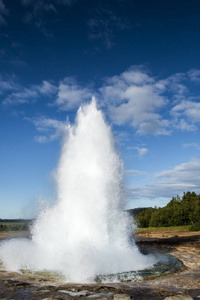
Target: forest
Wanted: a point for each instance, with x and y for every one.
(178, 212)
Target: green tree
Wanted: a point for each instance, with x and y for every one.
(177, 212)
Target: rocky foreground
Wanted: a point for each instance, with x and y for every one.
(182, 285)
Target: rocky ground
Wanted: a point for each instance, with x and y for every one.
(182, 285)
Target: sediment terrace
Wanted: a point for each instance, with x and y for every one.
(186, 282)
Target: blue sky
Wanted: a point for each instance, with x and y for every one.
(140, 59)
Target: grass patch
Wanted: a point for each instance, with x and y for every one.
(195, 227)
(171, 228)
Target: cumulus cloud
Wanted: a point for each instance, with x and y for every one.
(51, 129)
(182, 178)
(186, 115)
(183, 125)
(135, 98)
(136, 76)
(175, 86)
(70, 94)
(190, 109)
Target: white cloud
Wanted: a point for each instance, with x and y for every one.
(183, 173)
(185, 126)
(46, 88)
(52, 129)
(142, 151)
(185, 111)
(135, 98)
(151, 105)
(174, 86)
(194, 75)
(137, 77)
(190, 109)
(186, 115)
(21, 95)
(183, 178)
(8, 83)
(71, 95)
(41, 139)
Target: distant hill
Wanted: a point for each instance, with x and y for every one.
(135, 211)
(15, 220)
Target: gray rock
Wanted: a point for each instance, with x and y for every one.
(179, 297)
(75, 294)
(121, 297)
(100, 295)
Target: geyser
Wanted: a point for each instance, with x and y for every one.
(86, 233)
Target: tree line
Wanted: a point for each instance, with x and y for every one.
(14, 225)
(177, 212)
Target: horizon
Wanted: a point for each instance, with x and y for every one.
(139, 60)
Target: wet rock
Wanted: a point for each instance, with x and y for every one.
(121, 297)
(100, 296)
(75, 294)
(42, 291)
(179, 297)
(54, 297)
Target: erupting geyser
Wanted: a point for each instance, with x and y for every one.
(86, 233)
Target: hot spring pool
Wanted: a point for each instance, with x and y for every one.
(166, 264)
